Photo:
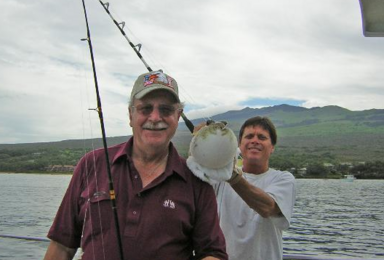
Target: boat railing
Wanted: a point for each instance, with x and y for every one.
(285, 256)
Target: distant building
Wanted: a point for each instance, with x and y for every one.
(346, 164)
(360, 163)
(302, 171)
(329, 165)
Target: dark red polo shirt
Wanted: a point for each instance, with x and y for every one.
(168, 220)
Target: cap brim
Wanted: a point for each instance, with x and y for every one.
(146, 91)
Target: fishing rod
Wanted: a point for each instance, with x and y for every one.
(42, 239)
(100, 112)
(137, 48)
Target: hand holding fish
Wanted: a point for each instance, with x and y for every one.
(213, 153)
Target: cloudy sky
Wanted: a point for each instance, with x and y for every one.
(225, 55)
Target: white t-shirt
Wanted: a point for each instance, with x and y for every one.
(248, 235)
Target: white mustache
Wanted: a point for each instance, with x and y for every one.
(155, 126)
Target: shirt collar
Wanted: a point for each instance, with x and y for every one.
(174, 164)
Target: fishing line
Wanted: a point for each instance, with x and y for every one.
(87, 174)
(90, 136)
(100, 113)
(137, 49)
(80, 252)
(144, 49)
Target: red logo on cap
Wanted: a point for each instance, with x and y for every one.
(157, 78)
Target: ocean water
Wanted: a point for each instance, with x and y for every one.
(338, 218)
(332, 218)
(28, 204)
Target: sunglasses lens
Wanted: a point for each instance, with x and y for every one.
(164, 110)
(145, 110)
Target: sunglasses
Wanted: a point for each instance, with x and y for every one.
(164, 110)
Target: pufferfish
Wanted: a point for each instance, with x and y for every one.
(214, 146)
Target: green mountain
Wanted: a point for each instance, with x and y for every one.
(328, 134)
(348, 135)
(319, 121)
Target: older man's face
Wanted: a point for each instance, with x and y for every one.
(154, 119)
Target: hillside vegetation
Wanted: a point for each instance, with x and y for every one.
(306, 137)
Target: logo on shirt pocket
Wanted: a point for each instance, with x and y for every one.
(169, 204)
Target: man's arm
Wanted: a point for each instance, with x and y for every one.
(256, 198)
(57, 251)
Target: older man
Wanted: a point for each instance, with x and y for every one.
(164, 211)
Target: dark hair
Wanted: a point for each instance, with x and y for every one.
(264, 122)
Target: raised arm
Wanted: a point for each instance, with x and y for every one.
(256, 198)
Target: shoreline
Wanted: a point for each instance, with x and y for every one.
(70, 173)
(39, 173)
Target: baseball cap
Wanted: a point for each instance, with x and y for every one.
(154, 80)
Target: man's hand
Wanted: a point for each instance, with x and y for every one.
(211, 176)
(198, 127)
(236, 175)
(230, 173)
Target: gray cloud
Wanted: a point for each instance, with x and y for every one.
(222, 54)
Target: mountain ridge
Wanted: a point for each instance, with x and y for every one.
(285, 117)
(306, 136)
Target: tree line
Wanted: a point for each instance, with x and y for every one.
(326, 166)
(26, 161)
(323, 165)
